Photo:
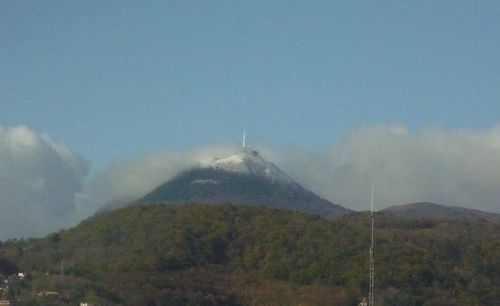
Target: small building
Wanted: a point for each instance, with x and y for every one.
(363, 302)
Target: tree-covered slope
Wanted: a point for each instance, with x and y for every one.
(236, 255)
(425, 210)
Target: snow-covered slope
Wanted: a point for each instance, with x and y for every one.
(244, 178)
(248, 161)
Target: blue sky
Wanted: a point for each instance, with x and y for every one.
(105, 100)
(121, 78)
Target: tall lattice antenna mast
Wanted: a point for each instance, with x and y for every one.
(372, 264)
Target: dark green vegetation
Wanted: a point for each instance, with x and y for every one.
(234, 255)
(435, 211)
(213, 186)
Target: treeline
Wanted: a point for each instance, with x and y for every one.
(233, 255)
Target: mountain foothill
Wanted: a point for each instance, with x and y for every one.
(239, 231)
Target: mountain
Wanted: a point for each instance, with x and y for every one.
(239, 255)
(425, 210)
(243, 178)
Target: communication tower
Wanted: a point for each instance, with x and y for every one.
(372, 263)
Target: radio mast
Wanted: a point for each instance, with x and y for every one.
(372, 264)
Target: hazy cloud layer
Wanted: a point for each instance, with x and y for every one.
(38, 182)
(127, 180)
(45, 185)
(460, 168)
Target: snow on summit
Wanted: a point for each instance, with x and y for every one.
(235, 163)
(250, 162)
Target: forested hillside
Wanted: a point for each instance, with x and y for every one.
(234, 255)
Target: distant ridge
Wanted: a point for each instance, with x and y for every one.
(244, 178)
(426, 210)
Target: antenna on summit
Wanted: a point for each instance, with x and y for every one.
(244, 140)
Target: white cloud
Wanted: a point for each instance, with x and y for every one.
(461, 168)
(127, 180)
(41, 180)
(38, 182)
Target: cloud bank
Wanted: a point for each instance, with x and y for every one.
(38, 182)
(44, 186)
(127, 180)
(461, 168)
